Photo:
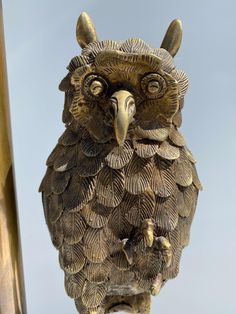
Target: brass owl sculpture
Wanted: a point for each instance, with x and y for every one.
(121, 187)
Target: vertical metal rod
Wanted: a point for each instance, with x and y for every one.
(12, 293)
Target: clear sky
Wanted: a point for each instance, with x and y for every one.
(40, 41)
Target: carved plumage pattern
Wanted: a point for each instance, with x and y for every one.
(96, 194)
(107, 205)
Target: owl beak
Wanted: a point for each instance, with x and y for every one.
(123, 107)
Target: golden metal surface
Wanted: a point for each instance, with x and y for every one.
(120, 191)
(148, 231)
(85, 30)
(121, 102)
(173, 37)
(12, 296)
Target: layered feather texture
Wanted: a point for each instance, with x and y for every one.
(91, 209)
(98, 196)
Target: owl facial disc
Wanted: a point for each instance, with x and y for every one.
(123, 107)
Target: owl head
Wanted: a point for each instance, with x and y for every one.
(118, 90)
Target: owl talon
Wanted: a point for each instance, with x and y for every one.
(128, 250)
(164, 245)
(148, 231)
(156, 286)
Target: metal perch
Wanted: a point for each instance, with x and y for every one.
(12, 295)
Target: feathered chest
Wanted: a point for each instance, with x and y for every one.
(121, 187)
(101, 200)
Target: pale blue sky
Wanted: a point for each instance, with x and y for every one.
(40, 41)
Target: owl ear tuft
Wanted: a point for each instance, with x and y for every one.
(85, 30)
(173, 37)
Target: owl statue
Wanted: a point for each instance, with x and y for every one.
(121, 187)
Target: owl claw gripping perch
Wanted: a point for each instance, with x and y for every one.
(121, 187)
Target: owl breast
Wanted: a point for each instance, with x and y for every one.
(100, 202)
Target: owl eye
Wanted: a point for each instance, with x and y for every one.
(153, 85)
(95, 86)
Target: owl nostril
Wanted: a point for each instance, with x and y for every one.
(131, 109)
(114, 107)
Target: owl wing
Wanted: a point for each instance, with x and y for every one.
(82, 186)
(162, 185)
(94, 195)
(175, 184)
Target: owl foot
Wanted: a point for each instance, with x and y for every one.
(148, 231)
(164, 246)
(156, 286)
(128, 250)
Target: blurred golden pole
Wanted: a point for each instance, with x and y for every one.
(12, 294)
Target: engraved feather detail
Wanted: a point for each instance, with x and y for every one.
(120, 215)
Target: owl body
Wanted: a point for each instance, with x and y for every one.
(121, 186)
